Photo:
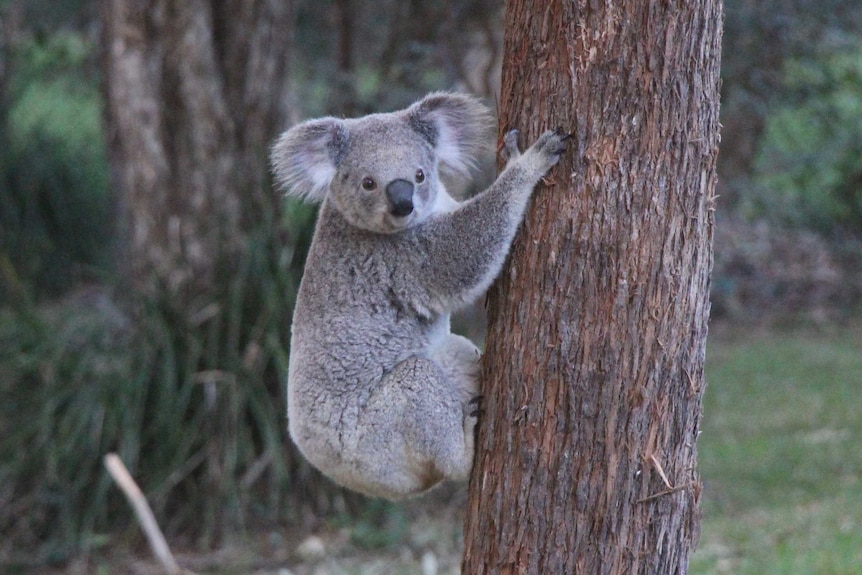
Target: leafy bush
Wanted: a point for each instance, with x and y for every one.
(192, 402)
(191, 399)
(55, 224)
(69, 393)
(809, 168)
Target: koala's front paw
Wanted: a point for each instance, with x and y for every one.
(551, 145)
(544, 153)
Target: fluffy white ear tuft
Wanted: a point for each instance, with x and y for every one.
(457, 125)
(305, 157)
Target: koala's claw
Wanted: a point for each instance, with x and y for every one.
(510, 140)
(554, 142)
(476, 403)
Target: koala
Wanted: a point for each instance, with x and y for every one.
(382, 398)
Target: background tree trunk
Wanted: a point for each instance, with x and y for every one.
(193, 90)
(593, 369)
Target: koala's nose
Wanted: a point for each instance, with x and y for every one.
(400, 196)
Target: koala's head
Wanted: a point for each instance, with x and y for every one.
(382, 172)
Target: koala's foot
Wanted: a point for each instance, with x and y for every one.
(510, 140)
(475, 406)
(472, 412)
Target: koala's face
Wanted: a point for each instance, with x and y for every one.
(381, 171)
(387, 179)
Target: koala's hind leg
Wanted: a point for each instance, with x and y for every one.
(459, 359)
(414, 430)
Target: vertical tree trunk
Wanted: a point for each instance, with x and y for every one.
(192, 92)
(343, 96)
(593, 369)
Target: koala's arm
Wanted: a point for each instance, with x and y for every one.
(464, 250)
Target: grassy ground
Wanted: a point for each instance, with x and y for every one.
(780, 458)
(780, 454)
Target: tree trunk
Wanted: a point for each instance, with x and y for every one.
(593, 368)
(192, 90)
(343, 98)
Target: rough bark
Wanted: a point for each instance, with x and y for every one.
(192, 92)
(593, 368)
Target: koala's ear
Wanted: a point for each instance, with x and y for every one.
(305, 157)
(457, 125)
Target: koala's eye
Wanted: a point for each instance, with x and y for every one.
(420, 176)
(368, 184)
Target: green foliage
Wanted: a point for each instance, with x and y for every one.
(68, 396)
(192, 402)
(191, 399)
(778, 457)
(809, 169)
(54, 202)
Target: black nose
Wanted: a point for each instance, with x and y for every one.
(399, 193)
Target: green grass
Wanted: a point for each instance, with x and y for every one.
(780, 454)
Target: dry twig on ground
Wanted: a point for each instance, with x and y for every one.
(144, 514)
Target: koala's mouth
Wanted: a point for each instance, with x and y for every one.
(394, 222)
(401, 210)
(397, 222)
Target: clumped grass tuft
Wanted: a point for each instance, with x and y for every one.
(192, 401)
(66, 397)
(779, 455)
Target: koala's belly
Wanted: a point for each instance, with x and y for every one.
(372, 340)
(342, 365)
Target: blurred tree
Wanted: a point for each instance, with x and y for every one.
(193, 92)
(7, 26)
(360, 57)
(593, 368)
(762, 35)
(809, 165)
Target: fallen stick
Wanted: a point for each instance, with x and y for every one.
(144, 514)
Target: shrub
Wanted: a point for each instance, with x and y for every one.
(55, 224)
(809, 169)
(193, 402)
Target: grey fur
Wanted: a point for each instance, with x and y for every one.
(379, 390)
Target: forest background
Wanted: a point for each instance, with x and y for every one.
(187, 386)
